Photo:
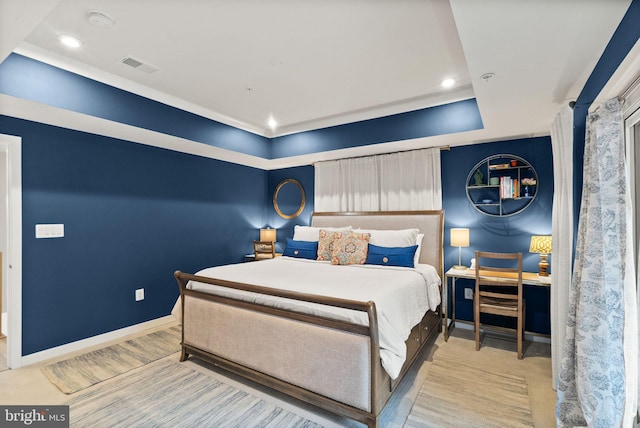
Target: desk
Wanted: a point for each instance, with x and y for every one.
(528, 278)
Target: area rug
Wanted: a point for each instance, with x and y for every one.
(172, 394)
(80, 372)
(457, 393)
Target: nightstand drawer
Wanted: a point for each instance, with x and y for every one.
(252, 257)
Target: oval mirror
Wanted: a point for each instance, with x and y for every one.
(288, 198)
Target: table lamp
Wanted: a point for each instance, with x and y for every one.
(459, 238)
(268, 235)
(541, 244)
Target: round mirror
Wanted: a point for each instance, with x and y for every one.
(288, 199)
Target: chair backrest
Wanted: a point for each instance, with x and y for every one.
(499, 291)
(264, 249)
(499, 269)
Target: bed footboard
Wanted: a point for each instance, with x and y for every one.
(332, 364)
(327, 361)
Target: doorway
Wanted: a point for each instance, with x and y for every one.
(11, 239)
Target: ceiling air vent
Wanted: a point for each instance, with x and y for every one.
(139, 65)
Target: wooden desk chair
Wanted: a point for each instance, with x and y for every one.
(499, 290)
(264, 250)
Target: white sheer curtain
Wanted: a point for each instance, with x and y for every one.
(397, 181)
(636, 157)
(562, 231)
(599, 373)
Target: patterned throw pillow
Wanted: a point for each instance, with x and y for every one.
(351, 249)
(326, 239)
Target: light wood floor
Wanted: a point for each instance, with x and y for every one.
(27, 385)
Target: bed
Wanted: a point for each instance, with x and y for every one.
(267, 321)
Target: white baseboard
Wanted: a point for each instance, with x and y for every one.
(532, 337)
(100, 339)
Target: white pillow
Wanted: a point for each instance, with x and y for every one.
(310, 233)
(416, 258)
(391, 238)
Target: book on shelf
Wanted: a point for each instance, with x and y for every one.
(499, 166)
(509, 188)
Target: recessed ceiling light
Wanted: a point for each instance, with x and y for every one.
(272, 123)
(447, 83)
(70, 41)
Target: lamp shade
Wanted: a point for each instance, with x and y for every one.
(540, 244)
(459, 237)
(268, 235)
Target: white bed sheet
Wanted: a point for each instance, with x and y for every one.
(402, 295)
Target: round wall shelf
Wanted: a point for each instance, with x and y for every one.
(502, 185)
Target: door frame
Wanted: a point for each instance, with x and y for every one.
(12, 145)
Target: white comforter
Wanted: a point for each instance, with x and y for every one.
(402, 295)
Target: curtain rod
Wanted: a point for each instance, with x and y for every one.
(442, 148)
(630, 88)
(623, 95)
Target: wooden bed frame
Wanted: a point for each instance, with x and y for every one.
(288, 351)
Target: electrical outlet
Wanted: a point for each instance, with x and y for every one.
(139, 294)
(468, 293)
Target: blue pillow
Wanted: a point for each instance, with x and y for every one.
(301, 249)
(391, 256)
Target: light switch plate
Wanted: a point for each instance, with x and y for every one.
(139, 294)
(49, 231)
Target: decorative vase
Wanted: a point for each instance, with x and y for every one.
(526, 191)
(477, 177)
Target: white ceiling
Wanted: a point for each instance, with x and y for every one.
(318, 63)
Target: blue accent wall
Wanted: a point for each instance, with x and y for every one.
(29, 79)
(499, 234)
(444, 119)
(133, 214)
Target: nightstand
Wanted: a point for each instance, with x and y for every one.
(252, 257)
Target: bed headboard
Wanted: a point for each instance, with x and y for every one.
(431, 223)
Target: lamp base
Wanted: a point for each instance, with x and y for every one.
(543, 265)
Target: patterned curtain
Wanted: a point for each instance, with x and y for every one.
(598, 376)
(392, 182)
